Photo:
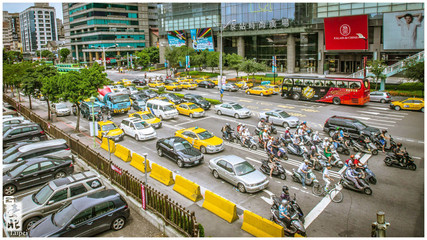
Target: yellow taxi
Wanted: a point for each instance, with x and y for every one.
(408, 104)
(215, 81)
(243, 83)
(189, 85)
(275, 88)
(164, 99)
(148, 117)
(181, 80)
(156, 84)
(173, 87)
(201, 139)
(110, 129)
(262, 91)
(125, 82)
(186, 79)
(190, 109)
(201, 79)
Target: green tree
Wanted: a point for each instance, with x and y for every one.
(51, 90)
(414, 70)
(251, 67)
(212, 60)
(171, 54)
(64, 54)
(376, 67)
(234, 61)
(32, 79)
(48, 54)
(11, 56)
(13, 75)
(153, 53)
(143, 59)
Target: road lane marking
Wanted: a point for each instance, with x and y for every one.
(284, 106)
(251, 159)
(245, 100)
(309, 110)
(269, 201)
(192, 121)
(416, 157)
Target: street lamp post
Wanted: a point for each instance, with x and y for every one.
(92, 100)
(364, 58)
(103, 51)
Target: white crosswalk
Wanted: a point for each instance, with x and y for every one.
(380, 117)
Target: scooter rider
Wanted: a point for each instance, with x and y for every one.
(336, 138)
(399, 154)
(353, 176)
(265, 138)
(285, 194)
(227, 130)
(271, 163)
(245, 135)
(284, 211)
(326, 176)
(316, 138)
(325, 142)
(302, 170)
(239, 128)
(288, 133)
(328, 152)
(383, 139)
(350, 161)
(261, 124)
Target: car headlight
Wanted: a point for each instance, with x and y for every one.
(210, 146)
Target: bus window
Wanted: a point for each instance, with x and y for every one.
(288, 82)
(308, 82)
(342, 84)
(355, 85)
(330, 84)
(298, 82)
(319, 83)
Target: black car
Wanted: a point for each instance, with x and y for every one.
(354, 127)
(85, 217)
(34, 172)
(206, 84)
(22, 132)
(139, 96)
(149, 93)
(167, 81)
(197, 99)
(86, 110)
(179, 150)
(139, 82)
(172, 97)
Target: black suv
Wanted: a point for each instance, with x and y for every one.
(172, 97)
(206, 84)
(179, 150)
(353, 126)
(149, 93)
(30, 131)
(197, 99)
(86, 110)
(139, 82)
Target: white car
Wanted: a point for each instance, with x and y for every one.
(117, 88)
(137, 128)
(60, 109)
(232, 109)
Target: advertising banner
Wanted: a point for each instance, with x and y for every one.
(202, 39)
(176, 38)
(341, 33)
(403, 30)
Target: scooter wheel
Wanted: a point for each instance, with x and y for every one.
(340, 165)
(412, 167)
(373, 180)
(367, 191)
(285, 157)
(375, 152)
(254, 147)
(283, 176)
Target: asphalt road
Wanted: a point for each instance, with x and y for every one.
(399, 193)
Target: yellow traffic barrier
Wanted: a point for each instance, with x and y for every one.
(161, 174)
(187, 188)
(259, 226)
(104, 145)
(122, 153)
(220, 206)
(138, 162)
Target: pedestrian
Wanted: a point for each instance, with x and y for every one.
(145, 75)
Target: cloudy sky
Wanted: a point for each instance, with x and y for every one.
(16, 7)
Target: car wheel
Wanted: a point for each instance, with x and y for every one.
(30, 222)
(160, 152)
(248, 93)
(118, 223)
(191, 115)
(241, 188)
(206, 86)
(382, 101)
(236, 116)
(203, 149)
(397, 108)
(35, 138)
(336, 101)
(296, 96)
(180, 163)
(9, 190)
(422, 110)
(161, 118)
(215, 174)
(285, 124)
(218, 112)
(136, 137)
(261, 94)
(60, 174)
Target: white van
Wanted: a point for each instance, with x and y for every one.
(162, 109)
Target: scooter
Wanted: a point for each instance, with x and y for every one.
(388, 148)
(368, 175)
(318, 163)
(392, 161)
(298, 150)
(350, 185)
(309, 180)
(250, 143)
(294, 226)
(279, 170)
(336, 160)
(270, 130)
(278, 200)
(368, 147)
(343, 149)
(232, 137)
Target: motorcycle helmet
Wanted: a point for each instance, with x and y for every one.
(399, 144)
(351, 156)
(326, 139)
(262, 120)
(384, 131)
(338, 128)
(317, 132)
(227, 124)
(285, 189)
(284, 202)
(304, 122)
(288, 128)
(307, 161)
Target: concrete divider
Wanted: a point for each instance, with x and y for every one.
(104, 145)
(138, 162)
(220, 206)
(187, 188)
(122, 153)
(259, 226)
(161, 174)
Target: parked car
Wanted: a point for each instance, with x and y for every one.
(139, 96)
(239, 173)
(54, 194)
(132, 89)
(172, 97)
(139, 82)
(197, 99)
(279, 117)
(190, 109)
(232, 109)
(206, 84)
(87, 112)
(148, 117)
(139, 105)
(60, 109)
(149, 93)
(231, 87)
(201, 139)
(110, 129)
(23, 132)
(168, 81)
(408, 104)
(179, 150)
(35, 171)
(85, 217)
(15, 121)
(14, 146)
(382, 97)
(138, 129)
(117, 88)
(353, 126)
(56, 147)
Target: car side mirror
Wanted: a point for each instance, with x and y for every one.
(72, 226)
(50, 202)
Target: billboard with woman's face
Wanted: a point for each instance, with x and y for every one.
(404, 30)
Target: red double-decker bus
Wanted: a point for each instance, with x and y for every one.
(349, 91)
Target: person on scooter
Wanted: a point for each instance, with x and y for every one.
(265, 138)
(350, 161)
(364, 140)
(400, 154)
(261, 125)
(275, 146)
(285, 194)
(336, 138)
(239, 128)
(284, 211)
(227, 130)
(271, 163)
(300, 131)
(383, 139)
(316, 138)
(353, 176)
(325, 142)
(302, 170)
(328, 152)
(288, 134)
(326, 176)
(245, 135)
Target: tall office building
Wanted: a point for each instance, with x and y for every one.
(38, 27)
(92, 28)
(60, 29)
(11, 31)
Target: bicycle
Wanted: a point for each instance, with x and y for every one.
(334, 194)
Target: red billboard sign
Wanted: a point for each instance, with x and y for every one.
(346, 33)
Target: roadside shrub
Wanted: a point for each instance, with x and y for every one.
(201, 230)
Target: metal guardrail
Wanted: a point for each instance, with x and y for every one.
(170, 211)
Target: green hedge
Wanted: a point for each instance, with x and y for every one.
(410, 86)
(200, 74)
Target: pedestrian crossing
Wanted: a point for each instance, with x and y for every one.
(380, 117)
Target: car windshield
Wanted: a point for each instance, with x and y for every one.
(5, 128)
(147, 116)
(141, 125)
(233, 85)
(168, 108)
(141, 103)
(109, 127)
(139, 96)
(10, 150)
(18, 169)
(181, 146)
(120, 98)
(149, 91)
(174, 97)
(193, 106)
(132, 88)
(359, 125)
(198, 97)
(243, 168)
(64, 215)
(11, 158)
(61, 105)
(237, 106)
(42, 195)
(205, 135)
(284, 114)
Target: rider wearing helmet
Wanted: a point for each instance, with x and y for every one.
(261, 124)
(285, 193)
(302, 170)
(353, 176)
(383, 139)
(325, 142)
(316, 138)
(227, 130)
(239, 128)
(326, 176)
(283, 210)
(350, 160)
(265, 137)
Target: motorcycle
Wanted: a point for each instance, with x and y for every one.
(292, 202)
(299, 150)
(350, 185)
(318, 163)
(270, 130)
(309, 180)
(392, 161)
(336, 160)
(250, 143)
(232, 136)
(279, 170)
(388, 148)
(367, 147)
(294, 226)
(368, 175)
(343, 149)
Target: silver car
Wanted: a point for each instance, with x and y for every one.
(238, 172)
(132, 89)
(60, 109)
(382, 97)
(232, 109)
(279, 117)
(231, 87)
